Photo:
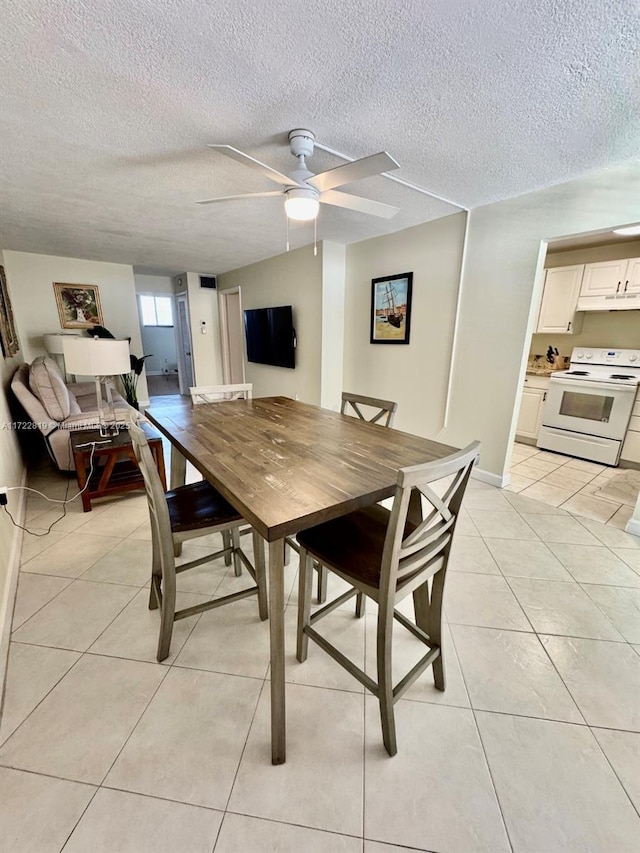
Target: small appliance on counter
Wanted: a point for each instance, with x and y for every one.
(588, 407)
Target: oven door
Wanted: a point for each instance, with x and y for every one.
(592, 408)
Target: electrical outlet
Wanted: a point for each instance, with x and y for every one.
(4, 495)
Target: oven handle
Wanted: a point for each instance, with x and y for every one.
(594, 386)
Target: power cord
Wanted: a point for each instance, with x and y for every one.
(64, 501)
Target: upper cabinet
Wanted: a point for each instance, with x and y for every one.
(632, 275)
(559, 300)
(611, 278)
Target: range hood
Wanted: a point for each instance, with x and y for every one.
(614, 302)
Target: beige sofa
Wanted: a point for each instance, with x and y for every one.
(56, 408)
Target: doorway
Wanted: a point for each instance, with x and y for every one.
(231, 336)
(183, 337)
(566, 329)
(157, 331)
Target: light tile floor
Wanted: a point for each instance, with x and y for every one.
(534, 747)
(570, 483)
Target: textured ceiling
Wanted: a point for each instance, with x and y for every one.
(106, 108)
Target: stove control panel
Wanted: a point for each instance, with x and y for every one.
(617, 357)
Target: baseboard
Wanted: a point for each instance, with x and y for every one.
(10, 589)
(633, 526)
(524, 439)
(492, 479)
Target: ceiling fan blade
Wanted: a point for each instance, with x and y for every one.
(355, 202)
(236, 197)
(345, 174)
(241, 157)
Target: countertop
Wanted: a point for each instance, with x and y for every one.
(537, 365)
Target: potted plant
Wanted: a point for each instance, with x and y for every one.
(130, 380)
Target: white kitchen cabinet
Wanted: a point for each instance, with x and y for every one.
(609, 278)
(558, 307)
(632, 276)
(532, 402)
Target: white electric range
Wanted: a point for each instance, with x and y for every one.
(588, 406)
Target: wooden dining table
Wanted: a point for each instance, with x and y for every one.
(286, 466)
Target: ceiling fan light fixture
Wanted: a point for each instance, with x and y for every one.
(301, 204)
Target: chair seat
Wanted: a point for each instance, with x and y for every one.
(353, 543)
(198, 505)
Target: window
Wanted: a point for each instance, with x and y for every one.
(156, 310)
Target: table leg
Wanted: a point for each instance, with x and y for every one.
(158, 455)
(178, 468)
(178, 476)
(276, 632)
(81, 476)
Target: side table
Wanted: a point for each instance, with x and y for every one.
(115, 469)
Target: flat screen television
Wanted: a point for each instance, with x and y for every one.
(271, 338)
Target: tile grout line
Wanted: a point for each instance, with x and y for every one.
(244, 745)
(28, 619)
(22, 722)
(484, 751)
(613, 769)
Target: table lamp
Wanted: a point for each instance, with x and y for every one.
(101, 358)
(54, 347)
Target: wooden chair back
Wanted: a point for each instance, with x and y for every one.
(218, 393)
(428, 544)
(158, 509)
(384, 408)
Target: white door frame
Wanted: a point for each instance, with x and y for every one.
(180, 350)
(224, 333)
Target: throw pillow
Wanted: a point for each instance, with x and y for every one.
(46, 382)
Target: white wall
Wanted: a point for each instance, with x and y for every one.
(294, 278)
(32, 277)
(207, 356)
(499, 303)
(415, 376)
(153, 283)
(160, 343)
(333, 306)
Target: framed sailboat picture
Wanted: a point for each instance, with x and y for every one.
(391, 309)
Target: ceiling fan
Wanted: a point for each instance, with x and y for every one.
(303, 191)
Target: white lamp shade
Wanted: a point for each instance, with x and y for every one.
(53, 344)
(96, 356)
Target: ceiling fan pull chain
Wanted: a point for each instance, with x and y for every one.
(315, 236)
(287, 221)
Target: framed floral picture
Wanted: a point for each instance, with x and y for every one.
(8, 335)
(78, 305)
(391, 309)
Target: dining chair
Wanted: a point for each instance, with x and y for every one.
(182, 514)
(382, 409)
(387, 555)
(218, 393)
